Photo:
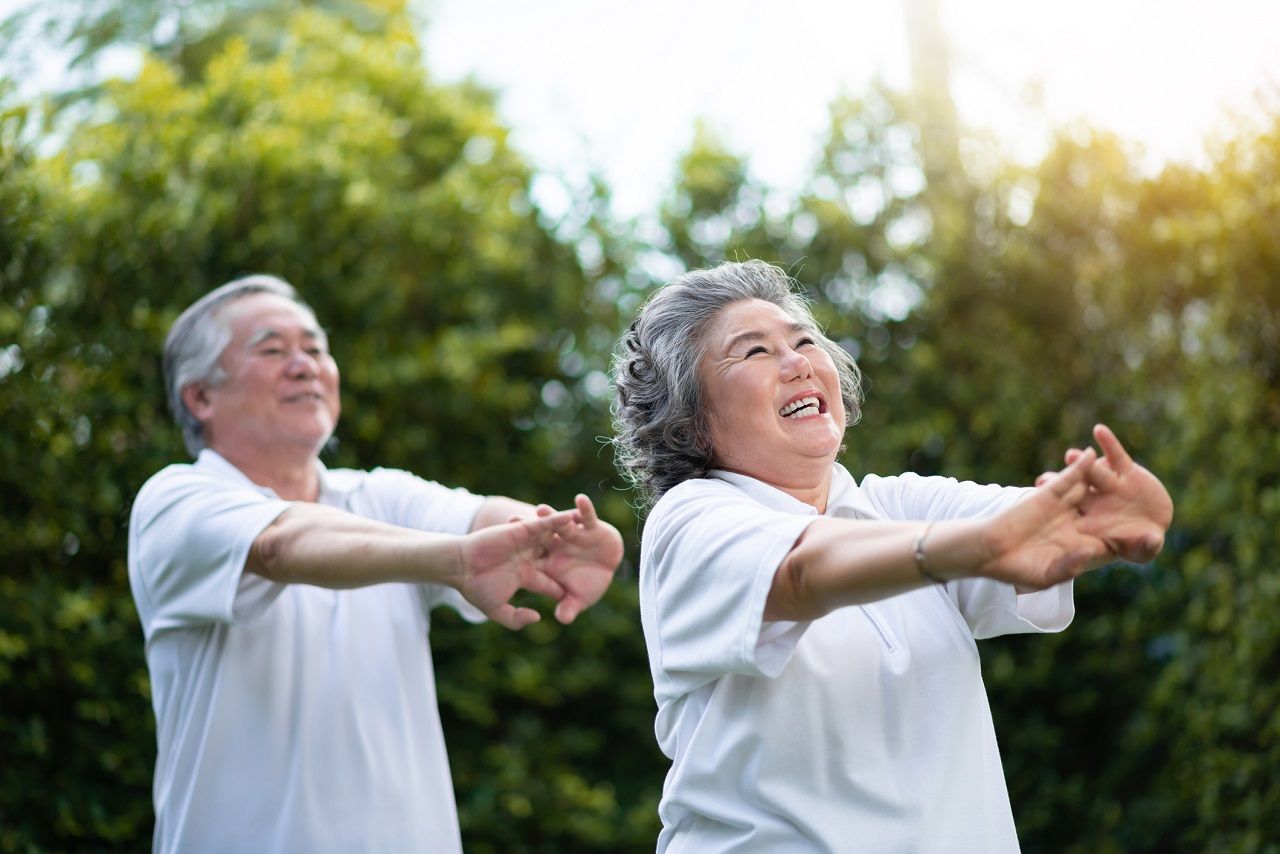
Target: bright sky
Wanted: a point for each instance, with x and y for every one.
(619, 84)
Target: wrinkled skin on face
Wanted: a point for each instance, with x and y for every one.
(773, 399)
(280, 392)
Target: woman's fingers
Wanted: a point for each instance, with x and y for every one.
(1112, 449)
(1077, 560)
(1103, 478)
(1073, 475)
(586, 511)
(1076, 494)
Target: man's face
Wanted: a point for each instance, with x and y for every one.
(280, 393)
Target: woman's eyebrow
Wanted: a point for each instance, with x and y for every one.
(744, 337)
(756, 335)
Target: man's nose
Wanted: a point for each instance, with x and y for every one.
(302, 364)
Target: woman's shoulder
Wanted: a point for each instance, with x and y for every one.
(694, 490)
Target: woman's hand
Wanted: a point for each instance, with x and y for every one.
(1127, 507)
(1041, 541)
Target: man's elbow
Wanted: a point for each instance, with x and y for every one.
(266, 555)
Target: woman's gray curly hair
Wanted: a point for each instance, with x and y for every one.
(661, 434)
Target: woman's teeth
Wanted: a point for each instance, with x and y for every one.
(801, 408)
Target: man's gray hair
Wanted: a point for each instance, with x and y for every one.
(196, 340)
(661, 433)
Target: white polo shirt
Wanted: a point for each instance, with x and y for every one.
(865, 730)
(289, 718)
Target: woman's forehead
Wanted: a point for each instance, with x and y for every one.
(751, 318)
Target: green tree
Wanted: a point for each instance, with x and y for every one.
(466, 330)
(999, 310)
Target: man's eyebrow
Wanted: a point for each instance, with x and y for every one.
(267, 332)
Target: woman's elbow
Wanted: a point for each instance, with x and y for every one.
(790, 596)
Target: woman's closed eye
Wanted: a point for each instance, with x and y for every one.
(756, 349)
(803, 341)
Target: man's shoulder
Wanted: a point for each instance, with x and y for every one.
(179, 481)
(174, 476)
(377, 479)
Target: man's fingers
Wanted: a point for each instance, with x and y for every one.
(556, 522)
(1046, 477)
(1071, 455)
(1112, 449)
(543, 584)
(511, 617)
(568, 609)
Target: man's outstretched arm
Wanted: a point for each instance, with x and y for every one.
(326, 547)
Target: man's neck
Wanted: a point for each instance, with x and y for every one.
(293, 477)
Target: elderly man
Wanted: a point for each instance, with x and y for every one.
(286, 605)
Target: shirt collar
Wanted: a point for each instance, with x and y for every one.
(843, 499)
(333, 484)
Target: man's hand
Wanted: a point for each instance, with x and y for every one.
(569, 555)
(498, 560)
(1127, 507)
(583, 559)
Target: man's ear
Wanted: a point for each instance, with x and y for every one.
(196, 398)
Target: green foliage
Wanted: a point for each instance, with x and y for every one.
(997, 317)
(469, 334)
(998, 311)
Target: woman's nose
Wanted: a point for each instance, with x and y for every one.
(795, 365)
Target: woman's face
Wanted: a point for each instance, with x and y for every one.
(773, 395)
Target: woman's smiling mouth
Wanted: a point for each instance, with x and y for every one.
(803, 407)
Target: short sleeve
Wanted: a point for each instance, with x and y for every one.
(707, 565)
(993, 608)
(400, 498)
(189, 536)
(990, 608)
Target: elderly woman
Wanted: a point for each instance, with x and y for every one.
(811, 636)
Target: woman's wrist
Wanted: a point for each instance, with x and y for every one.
(957, 549)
